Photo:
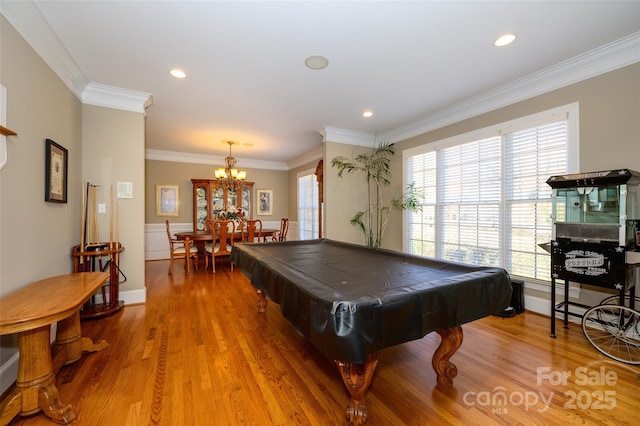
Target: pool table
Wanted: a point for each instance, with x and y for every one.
(352, 301)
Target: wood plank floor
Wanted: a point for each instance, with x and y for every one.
(198, 353)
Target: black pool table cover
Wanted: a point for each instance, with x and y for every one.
(351, 300)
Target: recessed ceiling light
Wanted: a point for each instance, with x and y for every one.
(177, 73)
(505, 39)
(367, 114)
(316, 62)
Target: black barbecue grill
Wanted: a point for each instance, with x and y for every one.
(596, 241)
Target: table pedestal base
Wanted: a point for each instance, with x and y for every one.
(35, 385)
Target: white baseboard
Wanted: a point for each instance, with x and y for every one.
(542, 306)
(133, 297)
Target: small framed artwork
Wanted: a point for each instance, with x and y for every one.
(265, 202)
(55, 172)
(167, 200)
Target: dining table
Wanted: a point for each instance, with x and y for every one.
(200, 238)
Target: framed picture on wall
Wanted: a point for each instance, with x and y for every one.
(167, 200)
(264, 206)
(55, 174)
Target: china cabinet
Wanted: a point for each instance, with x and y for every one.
(209, 198)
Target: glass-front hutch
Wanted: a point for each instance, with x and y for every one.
(209, 198)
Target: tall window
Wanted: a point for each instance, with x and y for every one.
(308, 211)
(485, 197)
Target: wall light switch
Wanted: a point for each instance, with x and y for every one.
(102, 208)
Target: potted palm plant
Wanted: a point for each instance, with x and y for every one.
(376, 167)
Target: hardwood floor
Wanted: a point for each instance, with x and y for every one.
(198, 353)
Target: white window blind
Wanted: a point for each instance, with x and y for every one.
(531, 157)
(308, 211)
(486, 201)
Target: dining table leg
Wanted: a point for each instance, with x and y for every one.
(187, 249)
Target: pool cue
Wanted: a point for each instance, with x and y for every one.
(86, 217)
(112, 247)
(82, 227)
(117, 223)
(90, 217)
(116, 267)
(96, 236)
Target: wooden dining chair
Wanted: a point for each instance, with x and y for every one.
(222, 232)
(281, 235)
(177, 250)
(251, 230)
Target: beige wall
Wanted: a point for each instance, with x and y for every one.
(174, 173)
(113, 151)
(343, 196)
(35, 236)
(609, 109)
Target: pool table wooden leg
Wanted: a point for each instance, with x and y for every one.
(357, 378)
(262, 301)
(451, 341)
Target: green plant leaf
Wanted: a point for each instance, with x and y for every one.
(376, 168)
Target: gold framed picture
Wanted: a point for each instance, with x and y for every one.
(167, 201)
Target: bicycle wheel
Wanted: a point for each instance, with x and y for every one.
(614, 331)
(615, 300)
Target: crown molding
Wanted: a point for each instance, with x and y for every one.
(117, 98)
(315, 154)
(346, 136)
(612, 56)
(214, 160)
(26, 18)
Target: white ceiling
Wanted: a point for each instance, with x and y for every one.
(246, 78)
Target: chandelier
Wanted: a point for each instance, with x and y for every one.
(229, 177)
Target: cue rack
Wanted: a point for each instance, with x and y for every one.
(92, 254)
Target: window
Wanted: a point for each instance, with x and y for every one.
(308, 211)
(484, 195)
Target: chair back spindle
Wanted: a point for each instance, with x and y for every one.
(253, 232)
(281, 235)
(223, 233)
